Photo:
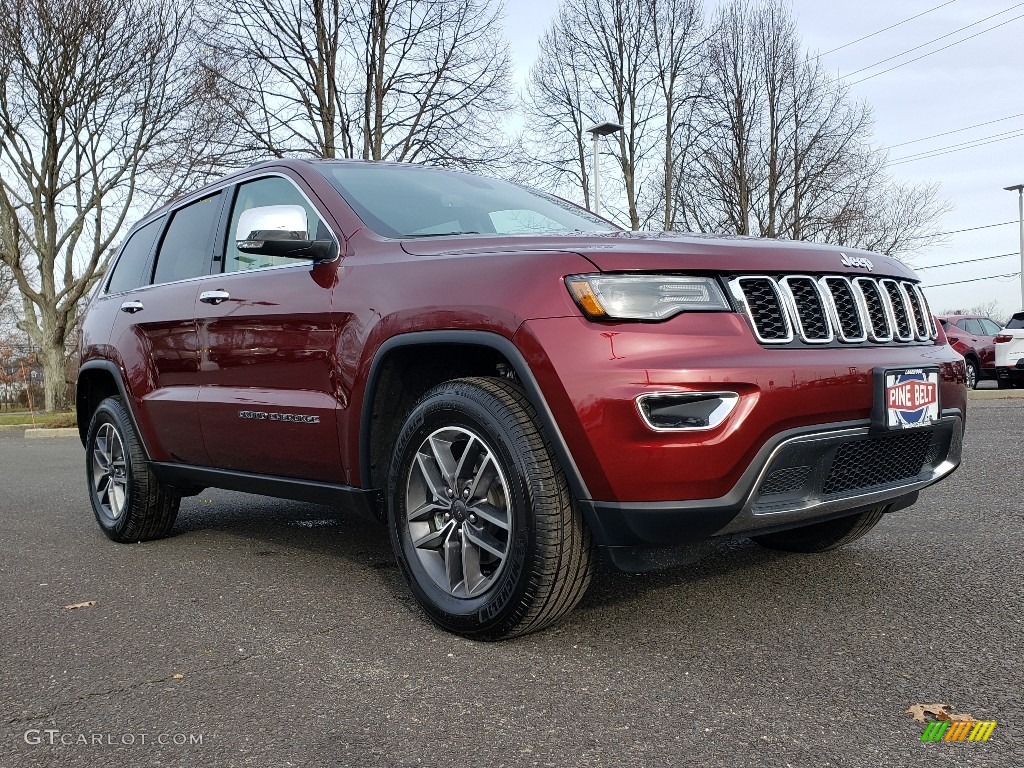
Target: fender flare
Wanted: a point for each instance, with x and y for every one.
(524, 376)
(115, 373)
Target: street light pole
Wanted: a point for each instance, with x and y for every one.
(596, 131)
(1019, 189)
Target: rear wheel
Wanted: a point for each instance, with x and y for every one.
(130, 504)
(821, 537)
(481, 519)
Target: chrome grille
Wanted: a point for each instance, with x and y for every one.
(839, 292)
(898, 306)
(764, 305)
(820, 310)
(807, 308)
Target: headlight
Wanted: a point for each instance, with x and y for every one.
(644, 297)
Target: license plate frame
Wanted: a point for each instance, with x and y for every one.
(906, 398)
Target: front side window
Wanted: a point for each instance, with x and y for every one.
(415, 201)
(188, 245)
(130, 271)
(273, 190)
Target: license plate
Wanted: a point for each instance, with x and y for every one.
(910, 397)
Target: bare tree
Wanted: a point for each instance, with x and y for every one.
(405, 80)
(627, 60)
(98, 108)
(558, 115)
(783, 151)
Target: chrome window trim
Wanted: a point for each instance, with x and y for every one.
(221, 187)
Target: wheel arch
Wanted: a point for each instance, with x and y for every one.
(484, 348)
(98, 380)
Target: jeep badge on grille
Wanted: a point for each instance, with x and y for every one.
(857, 261)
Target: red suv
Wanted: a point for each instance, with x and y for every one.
(509, 382)
(972, 336)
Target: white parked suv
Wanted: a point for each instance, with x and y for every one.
(1009, 345)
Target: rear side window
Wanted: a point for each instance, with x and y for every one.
(186, 249)
(975, 328)
(991, 329)
(130, 270)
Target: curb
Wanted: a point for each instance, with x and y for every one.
(46, 433)
(12, 427)
(996, 394)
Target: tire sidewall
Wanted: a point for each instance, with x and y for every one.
(504, 602)
(107, 413)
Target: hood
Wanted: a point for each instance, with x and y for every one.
(675, 252)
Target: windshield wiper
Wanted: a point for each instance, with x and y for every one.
(440, 234)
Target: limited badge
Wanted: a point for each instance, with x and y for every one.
(911, 398)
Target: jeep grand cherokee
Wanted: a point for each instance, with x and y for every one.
(509, 382)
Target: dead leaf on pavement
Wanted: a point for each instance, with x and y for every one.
(178, 676)
(922, 713)
(86, 604)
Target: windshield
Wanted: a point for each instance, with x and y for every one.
(1016, 322)
(416, 201)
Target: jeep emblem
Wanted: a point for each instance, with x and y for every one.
(857, 261)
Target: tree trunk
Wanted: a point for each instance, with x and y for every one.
(55, 388)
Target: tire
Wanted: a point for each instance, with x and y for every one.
(506, 552)
(822, 537)
(972, 374)
(130, 504)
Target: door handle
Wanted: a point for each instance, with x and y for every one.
(131, 307)
(214, 297)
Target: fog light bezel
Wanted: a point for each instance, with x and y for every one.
(717, 417)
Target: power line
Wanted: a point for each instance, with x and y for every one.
(958, 231)
(966, 261)
(891, 26)
(937, 50)
(958, 130)
(1014, 134)
(975, 280)
(934, 40)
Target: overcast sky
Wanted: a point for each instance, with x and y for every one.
(973, 82)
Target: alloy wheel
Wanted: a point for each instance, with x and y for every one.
(110, 470)
(458, 511)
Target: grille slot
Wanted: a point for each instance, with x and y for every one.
(844, 305)
(878, 318)
(877, 461)
(808, 308)
(899, 310)
(918, 311)
(820, 310)
(764, 304)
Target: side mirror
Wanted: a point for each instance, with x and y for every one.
(280, 230)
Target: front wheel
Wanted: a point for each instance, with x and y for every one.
(130, 504)
(972, 375)
(481, 519)
(822, 537)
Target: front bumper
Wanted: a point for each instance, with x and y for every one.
(802, 477)
(797, 408)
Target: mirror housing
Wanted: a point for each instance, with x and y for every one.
(280, 230)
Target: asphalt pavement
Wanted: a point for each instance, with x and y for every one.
(271, 633)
